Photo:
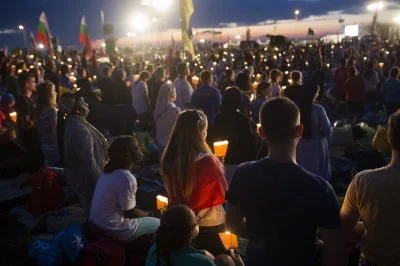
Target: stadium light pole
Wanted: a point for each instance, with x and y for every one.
(22, 29)
(296, 14)
(375, 7)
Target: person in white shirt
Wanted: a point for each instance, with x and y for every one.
(165, 114)
(183, 88)
(140, 95)
(113, 206)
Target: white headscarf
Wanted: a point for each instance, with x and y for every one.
(163, 100)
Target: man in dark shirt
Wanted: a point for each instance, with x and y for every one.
(28, 133)
(107, 89)
(284, 206)
(207, 98)
(51, 75)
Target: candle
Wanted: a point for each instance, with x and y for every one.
(162, 203)
(220, 148)
(136, 77)
(258, 128)
(229, 240)
(13, 116)
(195, 80)
(255, 84)
(381, 64)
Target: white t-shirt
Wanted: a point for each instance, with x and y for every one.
(140, 97)
(115, 193)
(184, 92)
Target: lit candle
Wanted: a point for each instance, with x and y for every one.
(258, 128)
(255, 84)
(229, 240)
(162, 203)
(13, 116)
(195, 80)
(220, 148)
(381, 64)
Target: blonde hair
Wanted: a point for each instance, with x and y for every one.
(177, 162)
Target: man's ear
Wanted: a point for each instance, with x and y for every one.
(299, 131)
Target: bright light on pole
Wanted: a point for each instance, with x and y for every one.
(140, 22)
(21, 27)
(41, 46)
(377, 6)
(296, 14)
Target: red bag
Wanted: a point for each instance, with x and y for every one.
(104, 252)
(47, 192)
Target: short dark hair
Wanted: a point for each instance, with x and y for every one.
(243, 81)
(205, 76)
(394, 72)
(231, 100)
(64, 69)
(160, 72)
(124, 152)
(181, 68)
(278, 118)
(352, 71)
(23, 79)
(144, 75)
(394, 131)
(295, 75)
(106, 71)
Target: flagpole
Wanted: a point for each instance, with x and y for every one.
(180, 12)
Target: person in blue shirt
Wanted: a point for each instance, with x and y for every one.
(391, 91)
(282, 205)
(207, 98)
(178, 227)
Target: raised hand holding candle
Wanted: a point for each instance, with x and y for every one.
(220, 148)
(195, 80)
(258, 128)
(14, 116)
(162, 203)
(229, 240)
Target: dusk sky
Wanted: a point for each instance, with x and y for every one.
(64, 15)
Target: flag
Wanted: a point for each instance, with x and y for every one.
(33, 40)
(84, 38)
(43, 34)
(187, 9)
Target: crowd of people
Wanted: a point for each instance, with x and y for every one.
(276, 106)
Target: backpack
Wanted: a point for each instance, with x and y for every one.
(47, 192)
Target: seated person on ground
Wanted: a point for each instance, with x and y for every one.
(114, 200)
(173, 242)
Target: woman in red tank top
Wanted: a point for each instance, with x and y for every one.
(193, 176)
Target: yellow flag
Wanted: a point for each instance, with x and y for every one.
(187, 10)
